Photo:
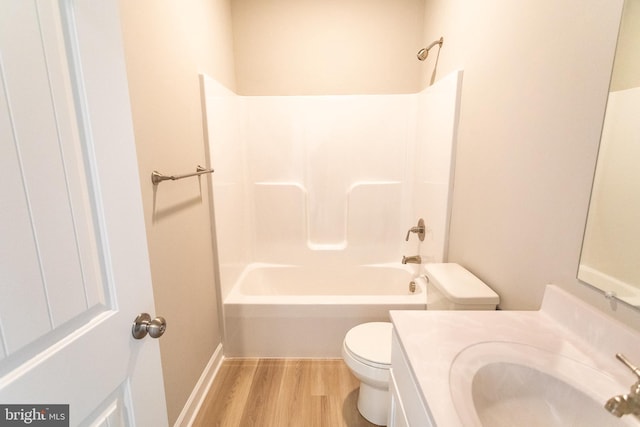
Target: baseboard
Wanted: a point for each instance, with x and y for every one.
(191, 408)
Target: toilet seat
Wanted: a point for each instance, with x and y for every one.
(370, 344)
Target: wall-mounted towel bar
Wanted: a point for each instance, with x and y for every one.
(157, 177)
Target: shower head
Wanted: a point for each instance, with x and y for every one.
(424, 52)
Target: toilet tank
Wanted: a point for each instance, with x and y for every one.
(452, 287)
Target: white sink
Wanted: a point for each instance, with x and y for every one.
(552, 367)
(507, 383)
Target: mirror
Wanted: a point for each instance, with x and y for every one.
(610, 258)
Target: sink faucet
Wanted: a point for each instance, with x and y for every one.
(626, 403)
(415, 259)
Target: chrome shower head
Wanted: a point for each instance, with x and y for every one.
(424, 52)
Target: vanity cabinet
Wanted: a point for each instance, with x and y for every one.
(406, 407)
(397, 414)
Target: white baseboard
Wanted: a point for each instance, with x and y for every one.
(191, 408)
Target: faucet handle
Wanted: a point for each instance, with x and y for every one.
(628, 364)
(420, 229)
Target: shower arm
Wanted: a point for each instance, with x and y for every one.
(424, 52)
(437, 42)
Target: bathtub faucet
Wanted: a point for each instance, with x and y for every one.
(626, 403)
(419, 229)
(416, 259)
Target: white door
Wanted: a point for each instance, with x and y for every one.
(74, 269)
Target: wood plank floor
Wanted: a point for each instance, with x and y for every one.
(281, 393)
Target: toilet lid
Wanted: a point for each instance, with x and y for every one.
(370, 343)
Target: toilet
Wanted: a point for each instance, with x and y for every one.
(366, 349)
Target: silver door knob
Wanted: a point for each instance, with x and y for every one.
(143, 325)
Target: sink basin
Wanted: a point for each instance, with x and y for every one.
(506, 383)
(504, 394)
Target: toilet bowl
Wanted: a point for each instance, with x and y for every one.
(367, 347)
(367, 352)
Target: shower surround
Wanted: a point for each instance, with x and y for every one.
(328, 185)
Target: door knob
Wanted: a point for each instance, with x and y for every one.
(143, 325)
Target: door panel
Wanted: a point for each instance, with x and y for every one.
(56, 274)
(111, 413)
(74, 270)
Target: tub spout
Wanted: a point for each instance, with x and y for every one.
(415, 259)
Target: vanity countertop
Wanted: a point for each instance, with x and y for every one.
(565, 325)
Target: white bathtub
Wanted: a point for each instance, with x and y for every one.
(295, 311)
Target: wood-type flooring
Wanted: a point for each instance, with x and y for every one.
(282, 393)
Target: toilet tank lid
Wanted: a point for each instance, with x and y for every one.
(459, 285)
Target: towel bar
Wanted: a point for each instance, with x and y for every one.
(157, 177)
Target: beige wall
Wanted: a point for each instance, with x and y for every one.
(166, 44)
(310, 47)
(534, 94)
